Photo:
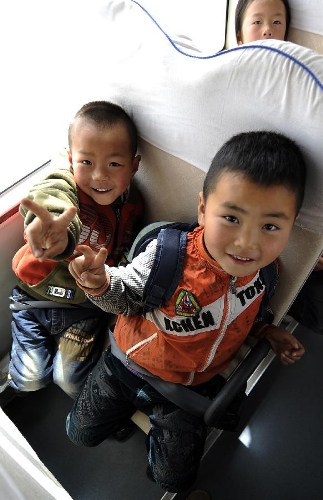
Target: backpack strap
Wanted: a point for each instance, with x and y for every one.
(269, 275)
(145, 236)
(167, 267)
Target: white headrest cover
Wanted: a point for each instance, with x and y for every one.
(190, 105)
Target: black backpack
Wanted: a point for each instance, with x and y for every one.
(168, 265)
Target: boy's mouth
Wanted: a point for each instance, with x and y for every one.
(241, 260)
(100, 190)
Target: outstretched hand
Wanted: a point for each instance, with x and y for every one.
(47, 234)
(285, 345)
(88, 269)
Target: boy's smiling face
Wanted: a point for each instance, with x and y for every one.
(102, 160)
(246, 226)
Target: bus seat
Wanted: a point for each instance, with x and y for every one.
(187, 107)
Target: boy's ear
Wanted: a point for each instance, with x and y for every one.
(201, 210)
(69, 155)
(135, 164)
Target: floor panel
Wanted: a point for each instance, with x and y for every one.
(277, 454)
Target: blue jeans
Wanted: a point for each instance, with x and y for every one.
(111, 395)
(54, 345)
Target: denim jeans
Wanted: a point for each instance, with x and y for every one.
(54, 345)
(111, 395)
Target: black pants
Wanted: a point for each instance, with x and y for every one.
(111, 395)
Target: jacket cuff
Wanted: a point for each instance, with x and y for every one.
(261, 329)
(95, 292)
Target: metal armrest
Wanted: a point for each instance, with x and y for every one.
(236, 382)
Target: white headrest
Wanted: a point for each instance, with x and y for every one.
(189, 105)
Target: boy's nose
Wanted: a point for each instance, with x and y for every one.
(247, 240)
(100, 173)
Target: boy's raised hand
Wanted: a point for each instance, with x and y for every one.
(47, 234)
(285, 345)
(88, 269)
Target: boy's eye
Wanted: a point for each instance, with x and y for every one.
(231, 218)
(277, 22)
(114, 164)
(86, 162)
(256, 22)
(270, 227)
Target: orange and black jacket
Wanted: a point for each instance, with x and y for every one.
(198, 331)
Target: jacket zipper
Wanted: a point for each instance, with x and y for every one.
(233, 285)
(117, 213)
(232, 290)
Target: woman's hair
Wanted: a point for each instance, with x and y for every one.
(241, 8)
(106, 114)
(265, 158)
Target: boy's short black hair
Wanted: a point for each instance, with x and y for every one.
(265, 158)
(106, 114)
(241, 8)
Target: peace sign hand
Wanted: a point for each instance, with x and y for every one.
(47, 234)
(89, 269)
